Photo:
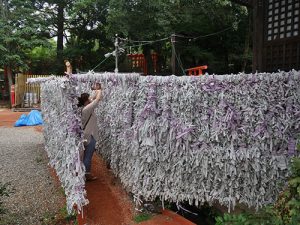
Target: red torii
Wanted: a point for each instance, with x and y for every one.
(139, 61)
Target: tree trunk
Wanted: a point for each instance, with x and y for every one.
(246, 51)
(60, 32)
(148, 58)
(10, 81)
(173, 57)
(226, 61)
(160, 58)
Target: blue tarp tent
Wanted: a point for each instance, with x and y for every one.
(32, 119)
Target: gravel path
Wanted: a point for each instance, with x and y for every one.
(23, 163)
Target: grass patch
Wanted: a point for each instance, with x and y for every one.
(66, 216)
(5, 191)
(61, 218)
(48, 218)
(62, 191)
(39, 159)
(10, 219)
(142, 217)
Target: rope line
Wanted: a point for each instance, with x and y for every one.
(178, 60)
(147, 43)
(143, 43)
(100, 64)
(203, 36)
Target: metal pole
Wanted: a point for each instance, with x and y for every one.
(116, 52)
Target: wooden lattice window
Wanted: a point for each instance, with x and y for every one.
(282, 19)
(284, 57)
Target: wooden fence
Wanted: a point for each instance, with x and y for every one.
(27, 95)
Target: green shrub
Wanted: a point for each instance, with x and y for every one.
(142, 217)
(5, 191)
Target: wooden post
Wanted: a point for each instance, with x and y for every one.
(173, 58)
(116, 53)
(258, 35)
(10, 81)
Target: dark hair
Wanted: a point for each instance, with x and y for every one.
(82, 99)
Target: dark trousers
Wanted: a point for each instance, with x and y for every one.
(88, 154)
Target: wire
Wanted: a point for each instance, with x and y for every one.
(147, 43)
(203, 36)
(135, 41)
(180, 64)
(177, 35)
(100, 63)
(178, 59)
(166, 38)
(140, 41)
(143, 43)
(126, 39)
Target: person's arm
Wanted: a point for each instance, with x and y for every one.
(95, 102)
(98, 95)
(93, 96)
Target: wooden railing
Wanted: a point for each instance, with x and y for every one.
(196, 71)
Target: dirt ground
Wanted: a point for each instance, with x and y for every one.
(109, 203)
(8, 119)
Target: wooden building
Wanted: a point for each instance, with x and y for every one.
(276, 34)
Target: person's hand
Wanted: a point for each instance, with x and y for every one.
(98, 94)
(97, 86)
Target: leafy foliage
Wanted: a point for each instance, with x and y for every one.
(84, 30)
(151, 20)
(142, 217)
(42, 59)
(5, 191)
(19, 33)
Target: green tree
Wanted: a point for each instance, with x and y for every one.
(88, 40)
(19, 34)
(54, 16)
(84, 30)
(42, 59)
(141, 20)
(78, 27)
(150, 20)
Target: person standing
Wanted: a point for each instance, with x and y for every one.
(90, 128)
